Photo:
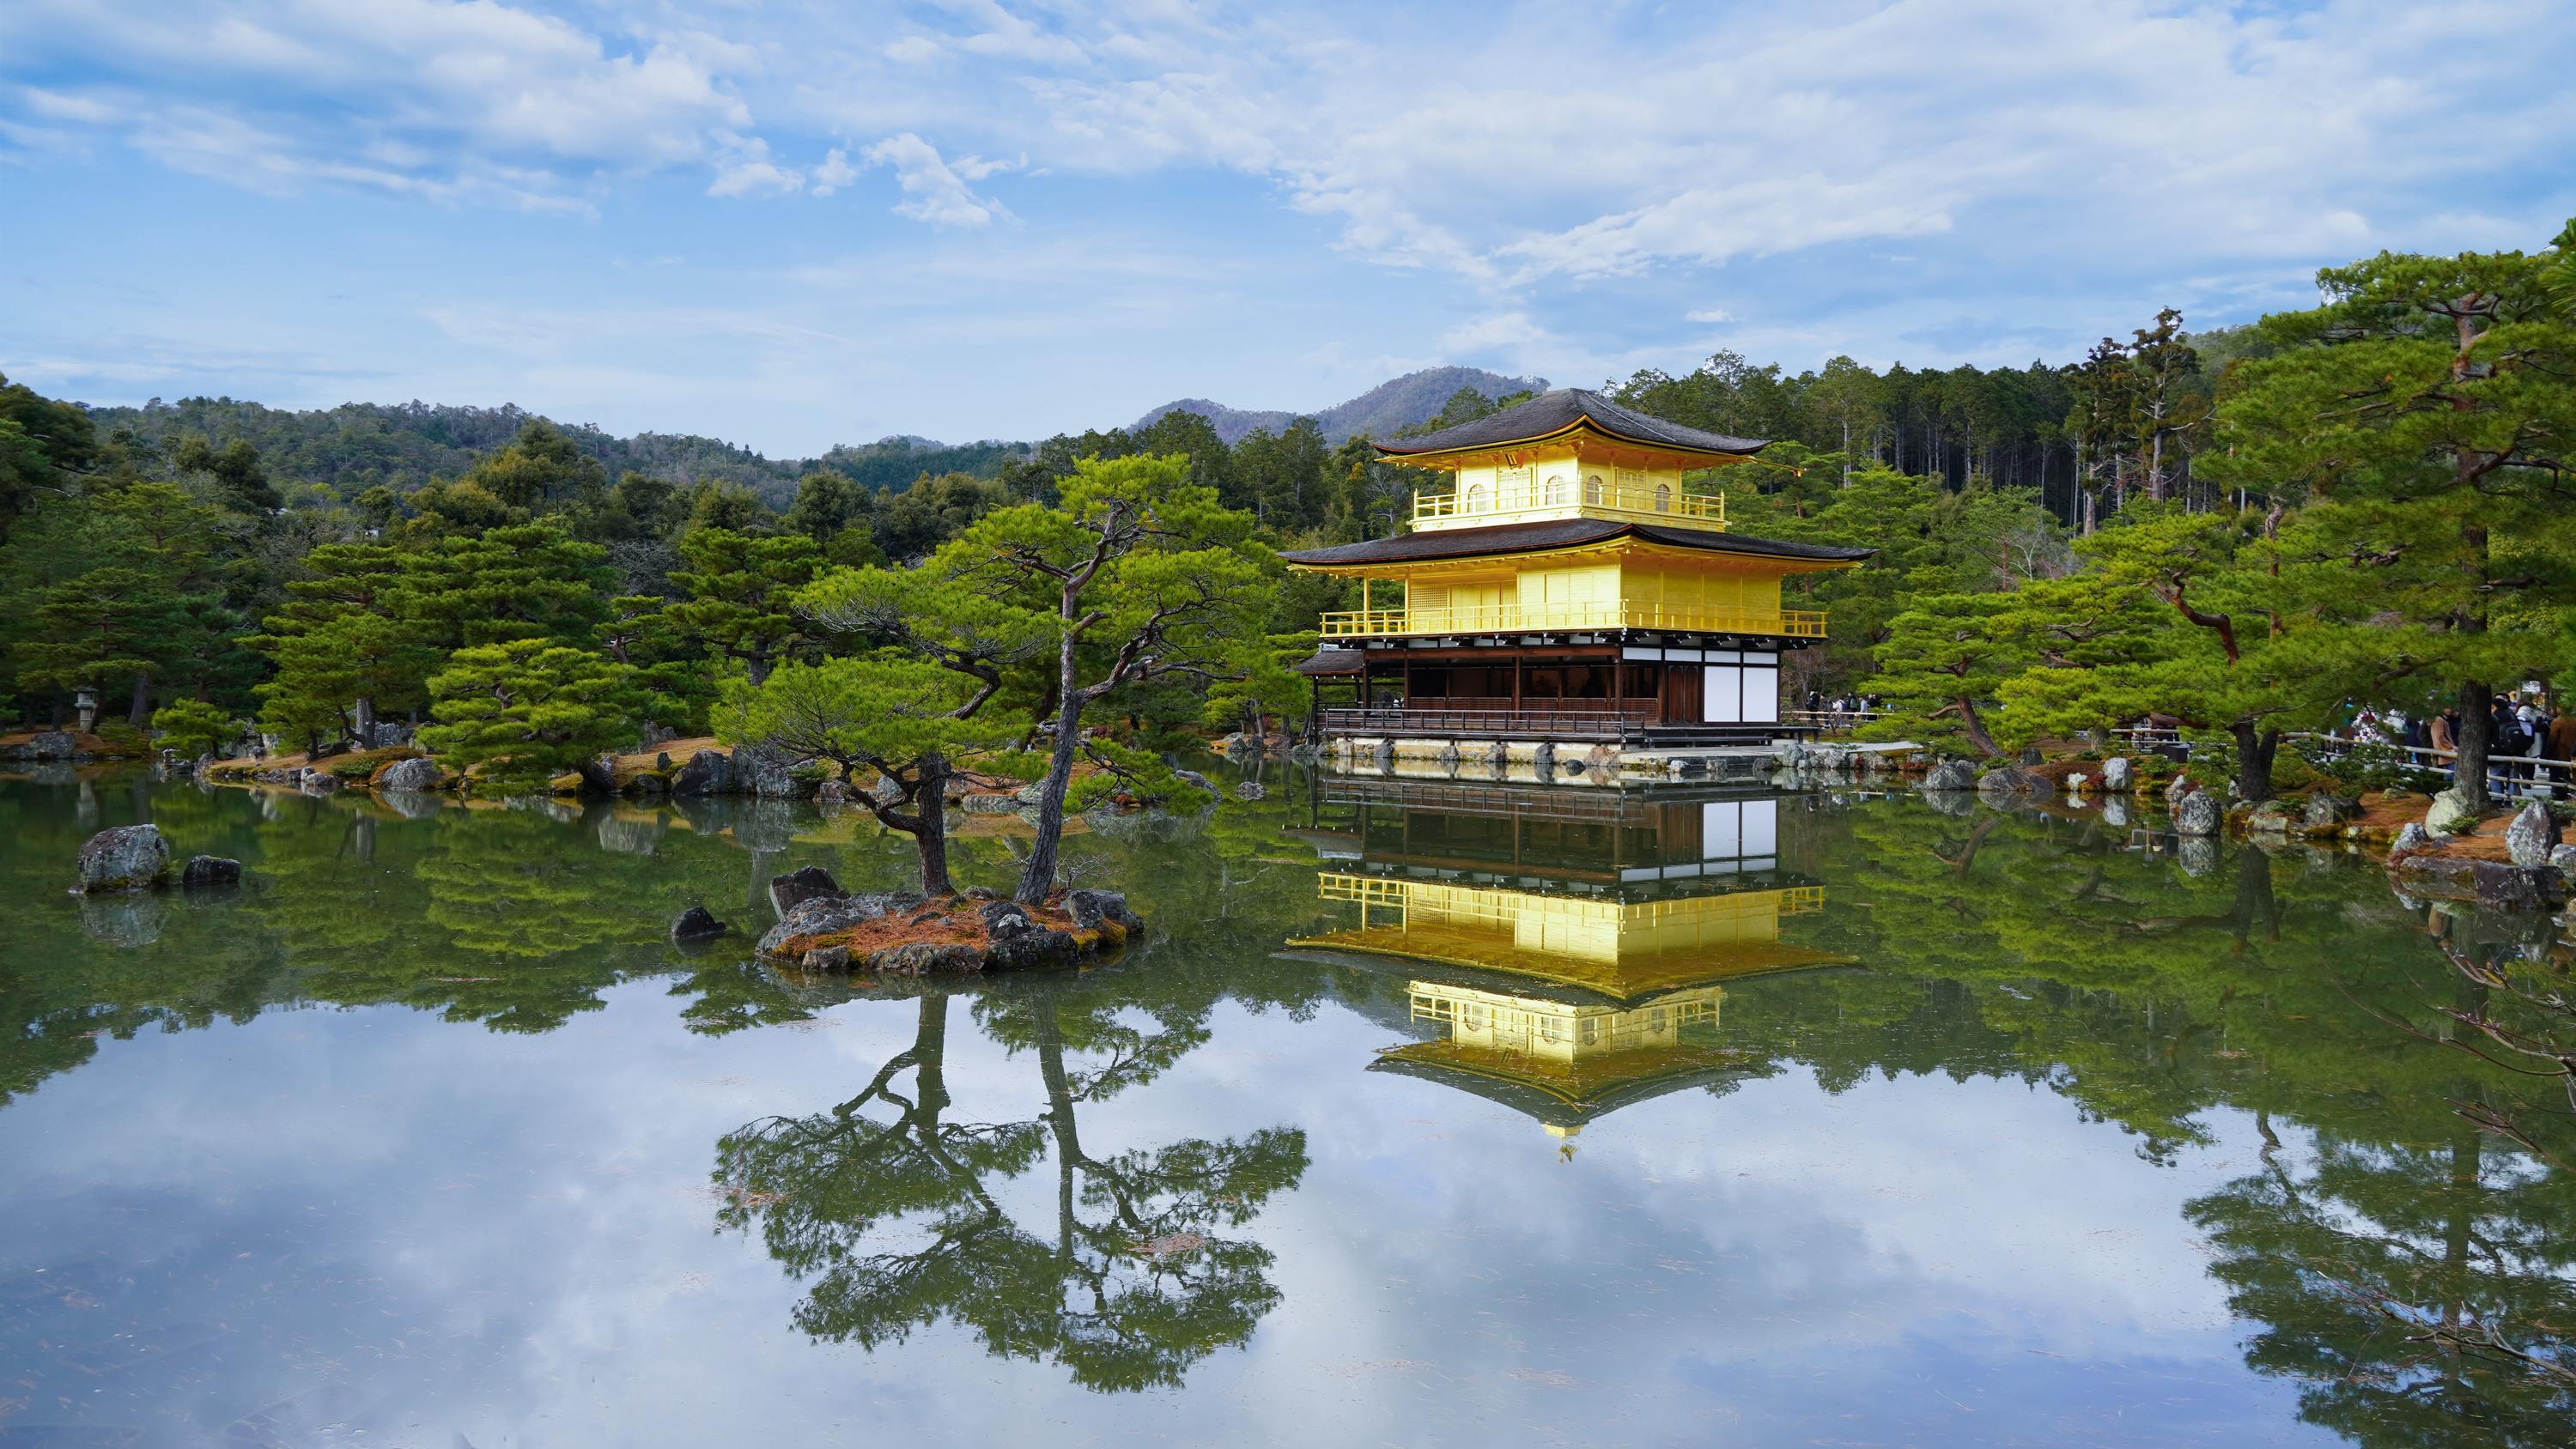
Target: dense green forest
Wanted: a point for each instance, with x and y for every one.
(2245, 531)
(336, 454)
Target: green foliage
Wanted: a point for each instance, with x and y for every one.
(2429, 406)
(515, 582)
(541, 469)
(194, 727)
(529, 710)
(740, 589)
(883, 712)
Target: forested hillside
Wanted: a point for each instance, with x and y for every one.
(356, 446)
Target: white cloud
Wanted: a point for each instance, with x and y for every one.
(1511, 334)
(747, 170)
(1711, 314)
(457, 92)
(936, 192)
(835, 173)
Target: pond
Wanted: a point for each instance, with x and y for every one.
(1424, 1114)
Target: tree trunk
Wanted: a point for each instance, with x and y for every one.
(2477, 705)
(1976, 728)
(1038, 878)
(932, 838)
(2254, 751)
(366, 722)
(138, 710)
(755, 667)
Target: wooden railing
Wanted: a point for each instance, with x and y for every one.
(1831, 721)
(1452, 899)
(2507, 775)
(1547, 618)
(1555, 718)
(1655, 500)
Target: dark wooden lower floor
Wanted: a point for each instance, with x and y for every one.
(1587, 726)
(1610, 689)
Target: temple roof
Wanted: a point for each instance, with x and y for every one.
(1330, 661)
(1551, 413)
(1511, 538)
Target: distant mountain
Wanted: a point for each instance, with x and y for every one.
(1379, 412)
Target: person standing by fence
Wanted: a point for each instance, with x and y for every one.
(2562, 745)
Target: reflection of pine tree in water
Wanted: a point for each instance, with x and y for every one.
(1132, 1287)
(2420, 1293)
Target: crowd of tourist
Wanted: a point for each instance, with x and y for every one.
(2522, 732)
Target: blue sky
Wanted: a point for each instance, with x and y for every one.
(795, 223)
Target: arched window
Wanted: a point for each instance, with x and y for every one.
(1555, 489)
(1475, 498)
(1592, 489)
(1663, 498)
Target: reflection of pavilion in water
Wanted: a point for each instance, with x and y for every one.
(1571, 948)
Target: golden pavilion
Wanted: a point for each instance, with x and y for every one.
(1570, 950)
(1566, 587)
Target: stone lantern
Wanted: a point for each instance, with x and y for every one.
(85, 702)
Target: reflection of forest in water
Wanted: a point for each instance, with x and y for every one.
(2401, 1250)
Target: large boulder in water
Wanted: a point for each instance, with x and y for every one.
(204, 872)
(708, 772)
(2009, 783)
(420, 774)
(2197, 814)
(54, 745)
(805, 883)
(697, 923)
(127, 858)
(2115, 773)
(2450, 813)
(2531, 836)
(2330, 810)
(759, 770)
(1090, 909)
(2413, 837)
(1951, 775)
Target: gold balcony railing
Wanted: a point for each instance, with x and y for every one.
(1659, 500)
(1541, 618)
(1499, 905)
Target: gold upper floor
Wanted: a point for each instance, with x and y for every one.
(1568, 481)
(1624, 584)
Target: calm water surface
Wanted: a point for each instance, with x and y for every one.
(1424, 1116)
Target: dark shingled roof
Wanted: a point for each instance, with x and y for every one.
(1329, 660)
(1550, 413)
(1508, 538)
